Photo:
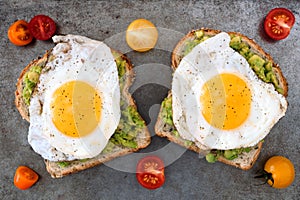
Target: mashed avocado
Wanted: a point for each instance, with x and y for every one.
(130, 125)
(30, 80)
(228, 154)
(167, 117)
(131, 122)
(190, 44)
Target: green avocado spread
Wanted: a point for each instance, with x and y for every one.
(30, 80)
(263, 69)
(131, 122)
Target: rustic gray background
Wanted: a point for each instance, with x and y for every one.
(186, 177)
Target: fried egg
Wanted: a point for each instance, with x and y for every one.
(218, 101)
(76, 107)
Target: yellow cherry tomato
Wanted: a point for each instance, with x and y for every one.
(282, 170)
(141, 35)
(279, 172)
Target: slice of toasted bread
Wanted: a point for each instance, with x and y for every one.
(60, 169)
(143, 138)
(245, 160)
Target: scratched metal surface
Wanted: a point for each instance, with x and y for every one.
(187, 176)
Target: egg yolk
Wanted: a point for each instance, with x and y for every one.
(76, 108)
(226, 101)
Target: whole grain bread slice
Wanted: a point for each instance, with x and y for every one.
(246, 159)
(60, 169)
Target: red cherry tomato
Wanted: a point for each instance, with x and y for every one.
(42, 27)
(278, 23)
(19, 34)
(25, 177)
(150, 172)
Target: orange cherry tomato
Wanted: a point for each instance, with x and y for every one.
(141, 35)
(279, 172)
(25, 177)
(19, 34)
(150, 172)
(278, 23)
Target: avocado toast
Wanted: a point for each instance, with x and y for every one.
(263, 66)
(131, 134)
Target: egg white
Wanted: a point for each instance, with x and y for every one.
(81, 59)
(208, 59)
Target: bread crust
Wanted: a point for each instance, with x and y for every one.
(57, 171)
(245, 161)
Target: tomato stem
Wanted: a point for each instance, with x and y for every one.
(266, 175)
